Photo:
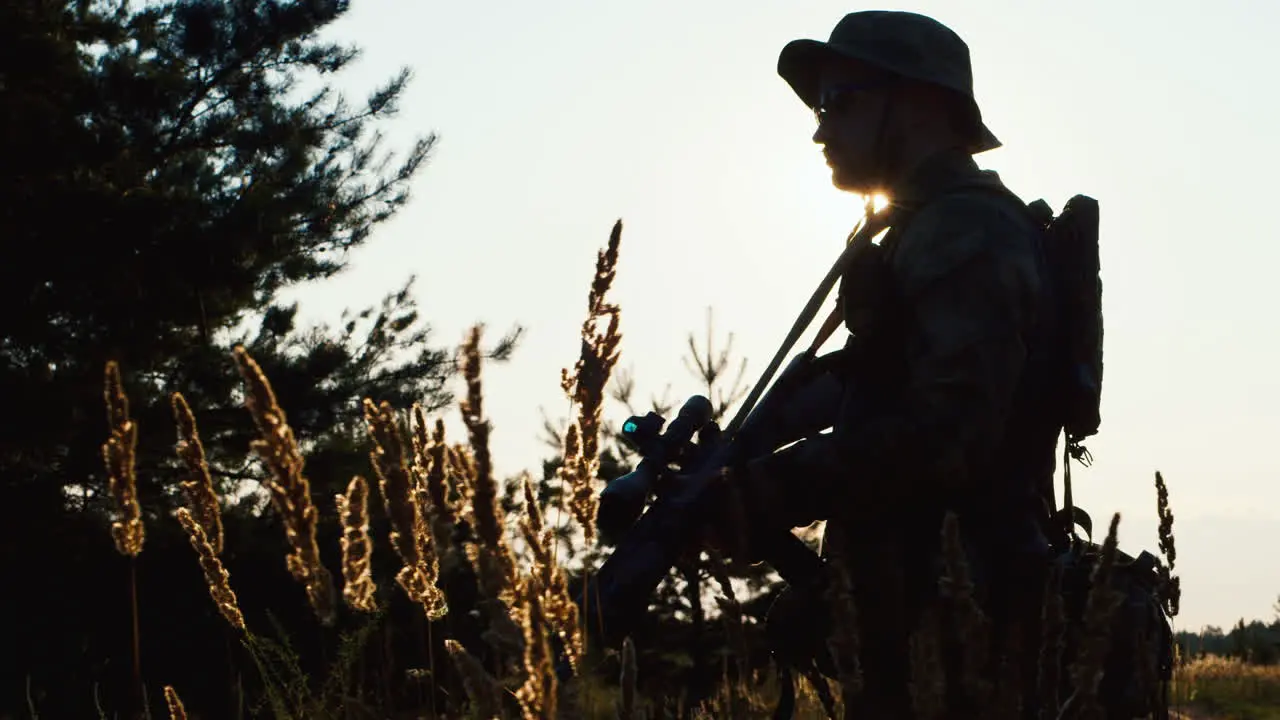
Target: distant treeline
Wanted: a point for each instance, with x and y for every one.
(1255, 642)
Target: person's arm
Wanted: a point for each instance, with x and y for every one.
(797, 407)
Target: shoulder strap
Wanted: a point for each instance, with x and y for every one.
(872, 225)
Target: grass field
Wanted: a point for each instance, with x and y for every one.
(429, 486)
(1215, 687)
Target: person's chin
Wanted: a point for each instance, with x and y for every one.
(844, 180)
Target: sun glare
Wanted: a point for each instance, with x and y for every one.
(878, 202)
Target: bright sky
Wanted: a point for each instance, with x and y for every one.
(558, 117)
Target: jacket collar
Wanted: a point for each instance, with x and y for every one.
(938, 174)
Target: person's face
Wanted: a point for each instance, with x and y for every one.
(851, 113)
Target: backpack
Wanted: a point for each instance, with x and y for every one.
(1139, 662)
(1138, 667)
(1070, 247)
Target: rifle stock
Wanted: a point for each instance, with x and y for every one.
(625, 582)
(649, 549)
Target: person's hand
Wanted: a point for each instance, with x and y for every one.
(724, 523)
(735, 518)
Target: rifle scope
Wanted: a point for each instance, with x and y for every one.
(622, 500)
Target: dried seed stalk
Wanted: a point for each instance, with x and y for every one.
(409, 536)
(460, 468)
(216, 576)
(484, 691)
(561, 611)
(430, 475)
(118, 453)
(627, 682)
(1095, 641)
(1170, 584)
(928, 677)
(358, 587)
(176, 711)
(202, 498)
(585, 386)
(537, 696)
(494, 562)
(289, 489)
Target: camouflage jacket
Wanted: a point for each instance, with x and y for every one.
(943, 405)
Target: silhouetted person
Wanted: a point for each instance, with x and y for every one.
(946, 401)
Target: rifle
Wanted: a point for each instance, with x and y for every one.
(650, 543)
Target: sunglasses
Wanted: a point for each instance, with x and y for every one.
(837, 99)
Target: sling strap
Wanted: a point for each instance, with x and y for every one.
(872, 224)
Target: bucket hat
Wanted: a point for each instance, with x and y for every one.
(905, 44)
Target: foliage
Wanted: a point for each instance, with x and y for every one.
(170, 168)
(1255, 642)
(208, 166)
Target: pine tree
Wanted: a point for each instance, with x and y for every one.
(169, 169)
